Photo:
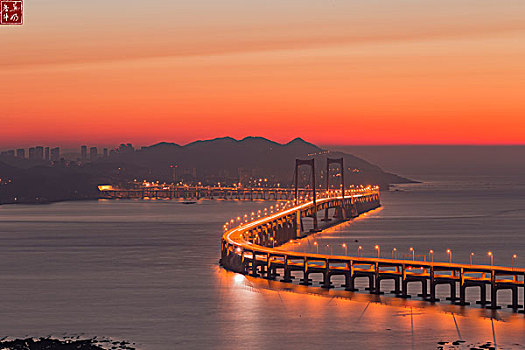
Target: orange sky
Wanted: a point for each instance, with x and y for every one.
(331, 71)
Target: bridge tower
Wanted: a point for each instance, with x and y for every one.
(311, 163)
(342, 172)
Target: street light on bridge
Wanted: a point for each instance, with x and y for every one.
(449, 252)
(471, 257)
(491, 258)
(413, 254)
(431, 255)
(346, 248)
(394, 253)
(514, 257)
(316, 247)
(378, 250)
(359, 251)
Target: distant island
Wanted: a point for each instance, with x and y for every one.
(226, 161)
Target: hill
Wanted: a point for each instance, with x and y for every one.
(227, 159)
(209, 162)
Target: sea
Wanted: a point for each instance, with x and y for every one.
(147, 271)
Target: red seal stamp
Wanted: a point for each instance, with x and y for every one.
(12, 12)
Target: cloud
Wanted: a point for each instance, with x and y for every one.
(42, 49)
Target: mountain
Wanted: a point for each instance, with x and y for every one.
(224, 160)
(227, 159)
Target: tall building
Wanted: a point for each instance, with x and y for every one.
(93, 154)
(32, 153)
(46, 153)
(39, 153)
(55, 154)
(83, 153)
(21, 153)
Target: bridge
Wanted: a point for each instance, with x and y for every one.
(172, 191)
(252, 246)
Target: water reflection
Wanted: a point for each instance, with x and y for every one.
(279, 315)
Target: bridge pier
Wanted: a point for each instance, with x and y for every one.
(326, 218)
(350, 278)
(404, 283)
(482, 295)
(452, 284)
(371, 284)
(424, 290)
(462, 295)
(287, 273)
(305, 281)
(327, 284)
(514, 306)
(254, 264)
(493, 293)
(397, 289)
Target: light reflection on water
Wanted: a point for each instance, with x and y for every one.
(312, 316)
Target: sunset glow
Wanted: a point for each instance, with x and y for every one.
(336, 72)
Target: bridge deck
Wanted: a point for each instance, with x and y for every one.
(243, 251)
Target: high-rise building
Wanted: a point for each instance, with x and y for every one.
(46, 153)
(93, 154)
(55, 154)
(83, 152)
(39, 153)
(21, 153)
(32, 153)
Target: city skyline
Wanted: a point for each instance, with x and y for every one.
(76, 148)
(438, 72)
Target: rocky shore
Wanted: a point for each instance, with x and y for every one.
(66, 343)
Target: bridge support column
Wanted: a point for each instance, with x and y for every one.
(305, 281)
(269, 272)
(404, 283)
(453, 296)
(327, 284)
(298, 224)
(371, 286)
(326, 218)
(396, 290)
(287, 272)
(377, 282)
(482, 295)
(514, 306)
(493, 292)
(424, 291)
(349, 278)
(462, 295)
(254, 264)
(462, 289)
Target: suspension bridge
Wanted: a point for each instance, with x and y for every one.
(252, 246)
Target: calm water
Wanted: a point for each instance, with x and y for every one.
(147, 272)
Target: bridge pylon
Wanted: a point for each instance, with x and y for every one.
(341, 212)
(311, 163)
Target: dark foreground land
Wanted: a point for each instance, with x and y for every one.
(63, 344)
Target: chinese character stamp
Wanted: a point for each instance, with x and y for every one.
(12, 12)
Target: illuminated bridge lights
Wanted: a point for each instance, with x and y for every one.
(241, 252)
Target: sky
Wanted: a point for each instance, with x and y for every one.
(333, 72)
